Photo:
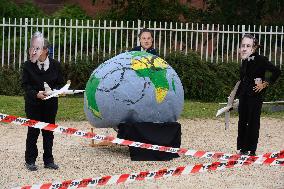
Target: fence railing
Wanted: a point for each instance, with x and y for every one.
(76, 39)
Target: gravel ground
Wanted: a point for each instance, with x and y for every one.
(78, 160)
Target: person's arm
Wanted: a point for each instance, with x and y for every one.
(30, 91)
(56, 67)
(60, 80)
(275, 73)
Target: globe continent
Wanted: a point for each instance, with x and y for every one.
(133, 87)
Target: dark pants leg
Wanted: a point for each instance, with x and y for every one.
(254, 124)
(31, 147)
(242, 124)
(46, 113)
(249, 123)
(49, 115)
(31, 152)
(47, 146)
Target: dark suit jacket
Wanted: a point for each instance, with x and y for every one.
(256, 68)
(33, 81)
(151, 50)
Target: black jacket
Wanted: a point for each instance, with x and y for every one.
(151, 50)
(255, 67)
(33, 81)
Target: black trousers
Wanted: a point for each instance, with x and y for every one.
(164, 134)
(45, 113)
(31, 146)
(249, 122)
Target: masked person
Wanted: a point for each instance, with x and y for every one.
(146, 42)
(251, 93)
(151, 132)
(39, 69)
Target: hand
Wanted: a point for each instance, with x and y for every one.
(41, 95)
(236, 104)
(260, 86)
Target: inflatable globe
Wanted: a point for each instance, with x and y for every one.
(133, 87)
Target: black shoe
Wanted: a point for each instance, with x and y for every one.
(31, 166)
(252, 153)
(51, 166)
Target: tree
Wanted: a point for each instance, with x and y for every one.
(245, 12)
(249, 12)
(159, 10)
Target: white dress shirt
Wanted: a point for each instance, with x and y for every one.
(46, 64)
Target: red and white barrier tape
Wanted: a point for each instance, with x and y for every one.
(147, 175)
(4, 118)
(232, 160)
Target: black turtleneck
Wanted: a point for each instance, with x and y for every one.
(150, 50)
(255, 67)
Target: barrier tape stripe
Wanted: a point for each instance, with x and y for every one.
(162, 173)
(181, 151)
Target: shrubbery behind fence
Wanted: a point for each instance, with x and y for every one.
(74, 39)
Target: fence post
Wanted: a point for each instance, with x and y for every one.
(26, 39)
(281, 48)
(53, 40)
(3, 42)
(243, 30)
(59, 31)
(9, 37)
(138, 31)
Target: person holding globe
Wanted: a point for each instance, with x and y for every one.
(146, 42)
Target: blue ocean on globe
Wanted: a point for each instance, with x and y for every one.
(133, 87)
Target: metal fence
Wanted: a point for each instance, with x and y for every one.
(73, 40)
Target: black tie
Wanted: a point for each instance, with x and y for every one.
(42, 67)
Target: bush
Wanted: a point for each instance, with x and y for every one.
(9, 9)
(10, 80)
(28, 9)
(205, 81)
(276, 91)
(71, 12)
(199, 81)
(158, 10)
(80, 71)
(202, 81)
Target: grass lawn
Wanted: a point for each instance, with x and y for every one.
(72, 108)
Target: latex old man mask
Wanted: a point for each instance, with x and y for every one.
(247, 47)
(36, 47)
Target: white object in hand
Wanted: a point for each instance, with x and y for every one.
(63, 91)
(231, 104)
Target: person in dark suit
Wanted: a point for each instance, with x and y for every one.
(163, 133)
(251, 93)
(146, 42)
(39, 69)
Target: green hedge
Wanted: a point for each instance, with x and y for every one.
(211, 82)
(10, 82)
(202, 81)
(199, 81)
(28, 9)
(80, 71)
